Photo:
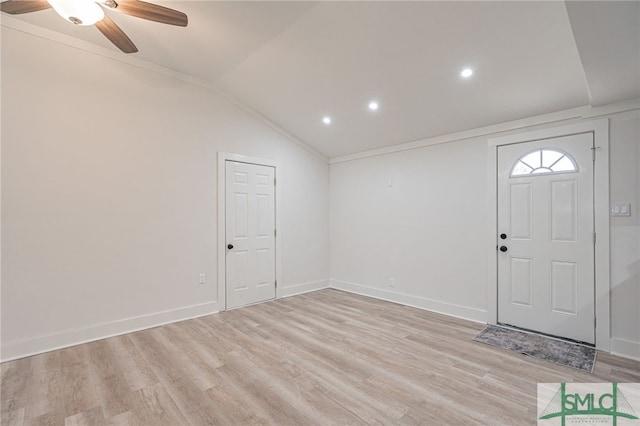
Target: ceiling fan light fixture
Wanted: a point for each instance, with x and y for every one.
(79, 12)
(466, 73)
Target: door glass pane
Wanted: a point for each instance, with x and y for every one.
(521, 169)
(549, 157)
(564, 165)
(541, 170)
(543, 161)
(532, 159)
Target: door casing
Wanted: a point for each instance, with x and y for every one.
(220, 248)
(600, 130)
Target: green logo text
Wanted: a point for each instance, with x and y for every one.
(613, 404)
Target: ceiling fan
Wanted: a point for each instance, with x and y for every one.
(89, 12)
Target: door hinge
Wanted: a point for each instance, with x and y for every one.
(275, 232)
(594, 238)
(274, 181)
(595, 321)
(593, 153)
(276, 283)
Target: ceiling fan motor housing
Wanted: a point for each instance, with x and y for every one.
(83, 12)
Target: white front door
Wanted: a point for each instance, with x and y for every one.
(546, 236)
(249, 234)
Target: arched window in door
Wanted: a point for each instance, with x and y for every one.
(544, 161)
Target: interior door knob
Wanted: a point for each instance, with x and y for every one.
(503, 248)
(503, 236)
(230, 246)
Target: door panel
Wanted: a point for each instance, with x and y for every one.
(545, 206)
(521, 285)
(265, 227)
(564, 287)
(240, 218)
(564, 213)
(520, 203)
(250, 232)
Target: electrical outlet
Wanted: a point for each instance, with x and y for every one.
(203, 278)
(392, 282)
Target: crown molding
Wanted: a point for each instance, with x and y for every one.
(584, 112)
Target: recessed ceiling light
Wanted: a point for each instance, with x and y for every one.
(326, 120)
(373, 105)
(466, 73)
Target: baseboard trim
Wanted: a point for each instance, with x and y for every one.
(625, 348)
(463, 312)
(17, 349)
(301, 288)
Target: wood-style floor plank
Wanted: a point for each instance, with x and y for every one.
(322, 358)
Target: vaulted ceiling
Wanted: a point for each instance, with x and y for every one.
(296, 62)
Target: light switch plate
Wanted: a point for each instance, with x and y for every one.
(621, 209)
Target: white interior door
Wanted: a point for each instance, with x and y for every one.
(249, 234)
(546, 236)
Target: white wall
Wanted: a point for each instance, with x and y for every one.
(428, 230)
(109, 196)
(109, 206)
(625, 234)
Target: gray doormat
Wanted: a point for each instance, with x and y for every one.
(559, 351)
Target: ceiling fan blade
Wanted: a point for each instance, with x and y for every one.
(149, 11)
(115, 35)
(16, 7)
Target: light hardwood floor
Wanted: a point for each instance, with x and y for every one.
(322, 358)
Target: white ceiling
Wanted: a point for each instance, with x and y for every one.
(608, 39)
(295, 62)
